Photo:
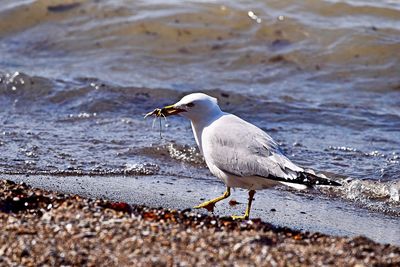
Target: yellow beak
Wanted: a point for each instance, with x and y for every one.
(170, 110)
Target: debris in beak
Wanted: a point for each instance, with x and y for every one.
(165, 111)
(156, 112)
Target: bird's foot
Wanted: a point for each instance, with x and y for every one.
(208, 205)
(240, 217)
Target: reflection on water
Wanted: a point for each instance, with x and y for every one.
(322, 77)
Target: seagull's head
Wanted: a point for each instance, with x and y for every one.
(195, 107)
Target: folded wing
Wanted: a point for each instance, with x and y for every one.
(242, 149)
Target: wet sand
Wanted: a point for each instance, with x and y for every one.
(306, 211)
(42, 227)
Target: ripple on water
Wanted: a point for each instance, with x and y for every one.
(183, 153)
(374, 195)
(131, 169)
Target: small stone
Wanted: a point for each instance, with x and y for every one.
(68, 227)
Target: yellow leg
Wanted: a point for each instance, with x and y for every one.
(209, 205)
(247, 213)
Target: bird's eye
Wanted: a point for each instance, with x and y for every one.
(189, 105)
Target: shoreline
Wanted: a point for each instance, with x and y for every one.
(293, 209)
(44, 227)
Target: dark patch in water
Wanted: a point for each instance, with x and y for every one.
(280, 43)
(276, 59)
(63, 7)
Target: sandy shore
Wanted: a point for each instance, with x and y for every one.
(41, 227)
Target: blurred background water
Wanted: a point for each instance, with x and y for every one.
(321, 77)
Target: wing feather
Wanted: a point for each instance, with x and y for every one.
(240, 148)
(243, 149)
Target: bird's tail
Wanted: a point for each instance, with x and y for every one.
(308, 178)
(313, 179)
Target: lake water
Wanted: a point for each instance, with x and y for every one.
(321, 77)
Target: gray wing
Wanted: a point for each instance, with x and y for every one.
(242, 149)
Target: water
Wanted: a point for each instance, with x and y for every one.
(321, 77)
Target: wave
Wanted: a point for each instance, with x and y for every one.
(377, 196)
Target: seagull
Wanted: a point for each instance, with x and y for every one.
(238, 152)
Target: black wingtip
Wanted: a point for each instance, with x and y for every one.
(306, 178)
(317, 180)
(334, 183)
(311, 179)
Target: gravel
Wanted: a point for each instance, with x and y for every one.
(47, 228)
